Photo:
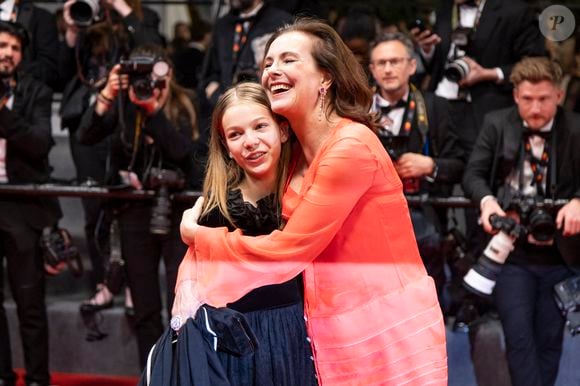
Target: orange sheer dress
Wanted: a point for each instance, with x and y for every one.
(371, 310)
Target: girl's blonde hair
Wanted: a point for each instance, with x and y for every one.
(222, 172)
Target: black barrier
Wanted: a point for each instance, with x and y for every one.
(122, 192)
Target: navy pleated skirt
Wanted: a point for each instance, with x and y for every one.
(284, 355)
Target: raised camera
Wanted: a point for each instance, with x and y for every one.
(457, 69)
(146, 73)
(84, 12)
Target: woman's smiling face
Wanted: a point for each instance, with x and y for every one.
(291, 76)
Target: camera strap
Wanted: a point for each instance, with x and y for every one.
(422, 120)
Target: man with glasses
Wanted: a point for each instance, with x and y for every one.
(419, 137)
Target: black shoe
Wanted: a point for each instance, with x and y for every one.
(101, 300)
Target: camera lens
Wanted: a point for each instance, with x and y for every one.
(142, 88)
(160, 222)
(456, 70)
(541, 225)
(84, 11)
(482, 277)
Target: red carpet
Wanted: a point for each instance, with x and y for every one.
(67, 379)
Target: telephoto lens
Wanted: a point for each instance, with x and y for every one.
(482, 277)
(84, 12)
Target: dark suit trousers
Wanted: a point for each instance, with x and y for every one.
(143, 253)
(532, 322)
(19, 243)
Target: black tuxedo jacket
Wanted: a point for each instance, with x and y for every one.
(507, 32)
(497, 151)
(27, 131)
(41, 56)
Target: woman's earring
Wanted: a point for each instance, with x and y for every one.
(230, 155)
(322, 94)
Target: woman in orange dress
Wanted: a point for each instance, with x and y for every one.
(371, 310)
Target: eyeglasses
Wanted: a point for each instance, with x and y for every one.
(393, 62)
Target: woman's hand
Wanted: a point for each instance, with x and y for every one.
(115, 83)
(189, 225)
(120, 6)
(185, 305)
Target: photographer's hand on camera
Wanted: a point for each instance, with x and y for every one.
(120, 6)
(115, 83)
(568, 218)
(477, 73)
(426, 40)
(490, 206)
(414, 165)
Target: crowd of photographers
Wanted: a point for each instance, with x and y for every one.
(468, 104)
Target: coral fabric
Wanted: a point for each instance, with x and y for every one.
(371, 310)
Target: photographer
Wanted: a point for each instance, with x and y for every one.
(40, 58)
(530, 152)
(237, 40)
(25, 141)
(155, 144)
(90, 48)
(418, 134)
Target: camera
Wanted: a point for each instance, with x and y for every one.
(481, 278)
(162, 180)
(146, 73)
(5, 88)
(536, 216)
(84, 12)
(567, 295)
(396, 146)
(457, 69)
(59, 252)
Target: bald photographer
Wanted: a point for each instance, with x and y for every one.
(25, 141)
(525, 158)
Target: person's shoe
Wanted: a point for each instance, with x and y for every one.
(129, 309)
(102, 299)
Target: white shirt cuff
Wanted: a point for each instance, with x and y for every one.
(500, 76)
(486, 199)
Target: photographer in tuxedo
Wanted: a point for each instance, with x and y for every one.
(25, 141)
(420, 138)
(530, 153)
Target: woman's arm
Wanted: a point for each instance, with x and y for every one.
(228, 265)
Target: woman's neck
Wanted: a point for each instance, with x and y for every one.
(311, 132)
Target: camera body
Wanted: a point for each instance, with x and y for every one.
(567, 296)
(536, 219)
(163, 180)
(146, 73)
(85, 12)
(457, 69)
(5, 87)
(536, 216)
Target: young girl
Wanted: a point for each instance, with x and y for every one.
(246, 171)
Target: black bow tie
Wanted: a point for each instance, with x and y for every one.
(387, 109)
(530, 133)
